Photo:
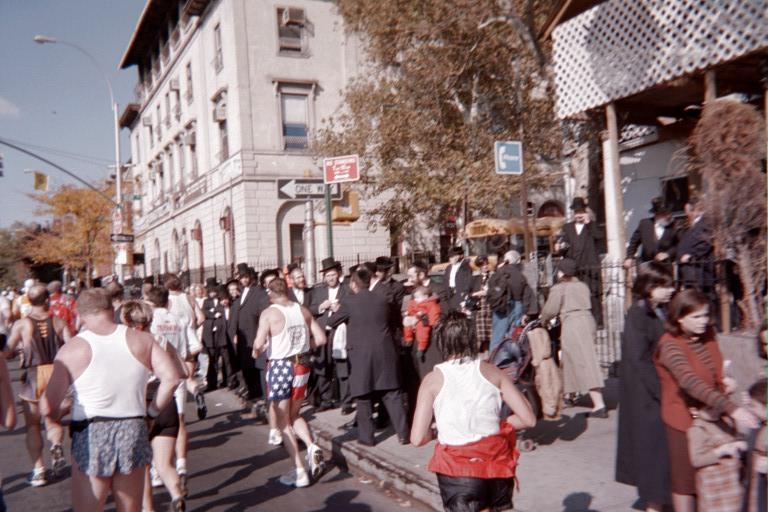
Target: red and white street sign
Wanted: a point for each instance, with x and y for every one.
(341, 169)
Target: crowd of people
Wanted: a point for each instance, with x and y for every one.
(409, 354)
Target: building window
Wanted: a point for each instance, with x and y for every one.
(159, 123)
(190, 91)
(180, 152)
(295, 120)
(177, 104)
(168, 110)
(190, 141)
(172, 184)
(218, 61)
(220, 118)
(291, 31)
(151, 133)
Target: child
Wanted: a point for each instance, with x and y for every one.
(423, 314)
(757, 462)
(715, 453)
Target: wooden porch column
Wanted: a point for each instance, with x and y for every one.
(614, 201)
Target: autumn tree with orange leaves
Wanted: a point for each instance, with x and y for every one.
(77, 236)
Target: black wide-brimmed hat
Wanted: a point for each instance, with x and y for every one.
(384, 263)
(659, 206)
(211, 284)
(242, 270)
(567, 266)
(578, 204)
(329, 264)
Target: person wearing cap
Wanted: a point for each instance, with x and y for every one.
(215, 337)
(394, 291)
(569, 300)
(457, 280)
(522, 299)
(324, 304)
(657, 236)
(243, 324)
(21, 305)
(580, 241)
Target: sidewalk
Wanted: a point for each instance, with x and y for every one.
(570, 470)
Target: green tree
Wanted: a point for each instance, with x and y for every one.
(12, 265)
(445, 79)
(77, 236)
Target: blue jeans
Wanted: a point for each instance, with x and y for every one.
(502, 323)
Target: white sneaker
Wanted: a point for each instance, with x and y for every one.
(154, 477)
(275, 437)
(315, 460)
(37, 478)
(297, 478)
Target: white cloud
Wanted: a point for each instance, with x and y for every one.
(8, 109)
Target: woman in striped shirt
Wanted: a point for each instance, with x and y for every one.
(690, 368)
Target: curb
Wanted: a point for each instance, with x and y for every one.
(348, 454)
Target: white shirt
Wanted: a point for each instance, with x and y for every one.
(333, 293)
(659, 229)
(373, 284)
(299, 293)
(452, 278)
(243, 294)
(579, 227)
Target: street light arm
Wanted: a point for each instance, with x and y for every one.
(40, 39)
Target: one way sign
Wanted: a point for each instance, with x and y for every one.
(305, 189)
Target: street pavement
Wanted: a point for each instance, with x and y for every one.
(231, 467)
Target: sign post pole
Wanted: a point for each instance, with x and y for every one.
(329, 219)
(309, 242)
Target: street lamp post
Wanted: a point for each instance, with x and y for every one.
(40, 39)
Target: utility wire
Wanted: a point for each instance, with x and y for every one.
(64, 153)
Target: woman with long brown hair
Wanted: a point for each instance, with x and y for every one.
(690, 368)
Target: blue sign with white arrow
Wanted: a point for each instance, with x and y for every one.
(509, 157)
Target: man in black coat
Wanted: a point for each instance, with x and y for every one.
(394, 291)
(244, 323)
(299, 292)
(580, 242)
(216, 336)
(457, 280)
(325, 300)
(373, 358)
(657, 236)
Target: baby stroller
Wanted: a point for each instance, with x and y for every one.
(513, 356)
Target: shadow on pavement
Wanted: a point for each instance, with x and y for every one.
(567, 428)
(342, 500)
(578, 502)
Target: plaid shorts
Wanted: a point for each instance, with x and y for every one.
(287, 379)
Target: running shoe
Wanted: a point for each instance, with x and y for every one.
(37, 478)
(59, 463)
(155, 477)
(275, 437)
(296, 478)
(178, 505)
(202, 410)
(181, 470)
(315, 460)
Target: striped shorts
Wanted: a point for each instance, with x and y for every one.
(287, 379)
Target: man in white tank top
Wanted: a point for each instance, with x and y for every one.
(110, 443)
(284, 332)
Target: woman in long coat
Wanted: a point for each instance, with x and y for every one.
(570, 300)
(642, 459)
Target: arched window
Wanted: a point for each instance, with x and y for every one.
(175, 252)
(197, 237)
(155, 262)
(227, 226)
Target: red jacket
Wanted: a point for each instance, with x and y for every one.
(490, 457)
(428, 309)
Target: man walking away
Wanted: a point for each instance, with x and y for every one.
(657, 236)
(110, 441)
(510, 298)
(41, 336)
(284, 332)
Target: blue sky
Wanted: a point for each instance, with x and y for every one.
(52, 96)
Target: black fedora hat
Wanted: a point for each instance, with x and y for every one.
(211, 284)
(329, 264)
(242, 269)
(384, 263)
(578, 204)
(658, 206)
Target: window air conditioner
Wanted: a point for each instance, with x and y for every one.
(293, 16)
(189, 139)
(174, 84)
(147, 121)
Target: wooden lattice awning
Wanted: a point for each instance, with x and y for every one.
(649, 54)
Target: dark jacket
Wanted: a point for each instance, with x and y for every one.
(645, 236)
(641, 454)
(307, 297)
(373, 357)
(244, 322)
(324, 355)
(394, 292)
(697, 241)
(209, 308)
(454, 297)
(519, 288)
(583, 248)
